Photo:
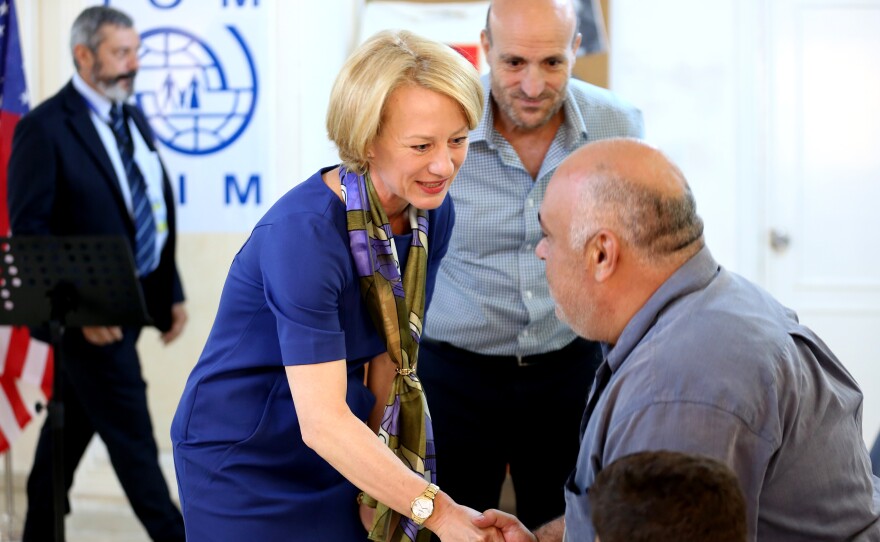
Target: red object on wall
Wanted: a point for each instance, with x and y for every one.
(470, 52)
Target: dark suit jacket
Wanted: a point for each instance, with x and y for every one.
(61, 182)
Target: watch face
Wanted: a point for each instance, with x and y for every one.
(422, 507)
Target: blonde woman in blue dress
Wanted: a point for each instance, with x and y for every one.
(275, 435)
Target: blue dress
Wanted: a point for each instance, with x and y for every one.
(291, 297)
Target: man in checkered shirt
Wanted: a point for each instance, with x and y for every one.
(506, 381)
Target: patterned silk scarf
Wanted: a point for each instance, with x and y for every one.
(397, 308)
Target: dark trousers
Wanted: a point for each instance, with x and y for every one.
(104, 393)
(491, 412)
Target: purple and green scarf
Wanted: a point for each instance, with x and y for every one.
(397, 308)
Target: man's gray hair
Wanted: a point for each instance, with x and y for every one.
(86, 28)
(654, 224)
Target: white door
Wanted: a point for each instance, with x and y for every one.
(824, 177)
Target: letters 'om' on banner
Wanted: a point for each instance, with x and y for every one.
(23, 360)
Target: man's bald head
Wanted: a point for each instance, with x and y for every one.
(633, 188)
(618, 220)
(557, 12)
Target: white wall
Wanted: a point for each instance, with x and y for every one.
(703, 74)
(690, 66)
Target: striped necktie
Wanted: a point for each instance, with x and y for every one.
(142, 211)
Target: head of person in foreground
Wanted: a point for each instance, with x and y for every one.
(655, 496)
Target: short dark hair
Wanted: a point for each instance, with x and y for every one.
(663, 496)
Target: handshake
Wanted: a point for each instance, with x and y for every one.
(511, 529)
(454, 522)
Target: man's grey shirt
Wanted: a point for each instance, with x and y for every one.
(491, 295)
(714, 365)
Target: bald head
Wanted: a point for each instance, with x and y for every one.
(554, 17)
(632, 159)
(635, 189)
(618, 220)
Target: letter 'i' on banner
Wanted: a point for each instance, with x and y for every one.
(23, 360)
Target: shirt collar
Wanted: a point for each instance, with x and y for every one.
(484, 130)
(96, 101)
(574, 127)
(695, 274)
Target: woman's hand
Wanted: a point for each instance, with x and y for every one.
(454, 523)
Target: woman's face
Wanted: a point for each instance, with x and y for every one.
(419, 149)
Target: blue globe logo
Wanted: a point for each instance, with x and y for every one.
(192, 103)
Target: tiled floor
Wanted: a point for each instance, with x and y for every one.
(92, 520)
(104, 520)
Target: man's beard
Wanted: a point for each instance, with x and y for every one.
(113, 87)
(584, 322)
(506, 104)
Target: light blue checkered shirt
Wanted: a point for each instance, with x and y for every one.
(491, 295)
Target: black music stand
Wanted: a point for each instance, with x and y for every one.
(73, 282)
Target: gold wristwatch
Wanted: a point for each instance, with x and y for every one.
(423, 506)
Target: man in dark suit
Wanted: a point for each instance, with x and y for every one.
(84, 163)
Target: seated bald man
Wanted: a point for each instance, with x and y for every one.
(696, 358)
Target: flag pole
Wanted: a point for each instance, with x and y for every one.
(7, 533)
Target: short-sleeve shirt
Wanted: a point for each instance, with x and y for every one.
(292, 297)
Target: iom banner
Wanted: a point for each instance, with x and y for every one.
(200, 86)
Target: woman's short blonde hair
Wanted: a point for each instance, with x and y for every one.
(384, 62)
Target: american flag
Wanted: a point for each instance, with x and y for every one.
(23, 360)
